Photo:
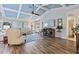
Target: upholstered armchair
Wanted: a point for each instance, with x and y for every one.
(14, 37)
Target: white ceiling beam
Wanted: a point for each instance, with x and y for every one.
(16, 11)
(63, 5)
(7, 9)
(20, 7)
(2, 11)
(44, 4)
(41, 7)
(38, 18)
(73, 7)
(38, 8)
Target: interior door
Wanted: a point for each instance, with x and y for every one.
(70, 28)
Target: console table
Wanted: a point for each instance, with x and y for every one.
(49, 32)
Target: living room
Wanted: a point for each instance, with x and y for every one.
(46, 28)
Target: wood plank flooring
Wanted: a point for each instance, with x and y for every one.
(44, 45)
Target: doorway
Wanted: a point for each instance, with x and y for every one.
(70, 25)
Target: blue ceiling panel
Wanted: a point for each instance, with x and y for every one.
(51, 6)
(24, 16)
(11, 6)
(28, 8)
(10, 14)
(41, 11)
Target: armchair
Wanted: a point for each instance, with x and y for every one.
(14, 37)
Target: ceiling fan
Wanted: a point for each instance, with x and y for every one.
(33, 12)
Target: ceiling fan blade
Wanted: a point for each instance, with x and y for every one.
(33, 12)
(37, 14)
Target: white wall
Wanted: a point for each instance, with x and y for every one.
(55, 14)
(62, 13)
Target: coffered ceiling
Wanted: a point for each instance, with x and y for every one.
(24, 11)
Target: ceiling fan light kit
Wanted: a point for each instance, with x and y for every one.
(33, 12)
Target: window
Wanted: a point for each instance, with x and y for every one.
(1, 25)
(6, 25)
(45, 24)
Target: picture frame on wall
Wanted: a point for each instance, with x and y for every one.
(59, 24)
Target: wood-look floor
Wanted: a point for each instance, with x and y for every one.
(44, 45)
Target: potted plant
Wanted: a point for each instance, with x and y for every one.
(76, 29)
(59, 28)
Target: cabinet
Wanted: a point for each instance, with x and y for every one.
(49, 32)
